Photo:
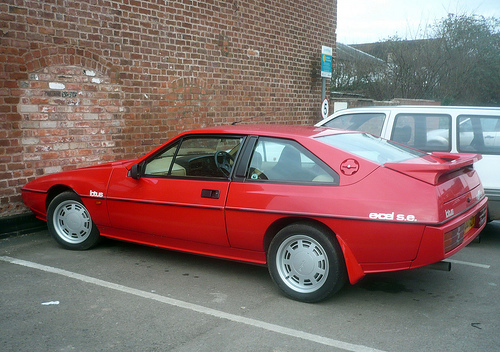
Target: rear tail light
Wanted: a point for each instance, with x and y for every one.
(455, 237)
(481, 217)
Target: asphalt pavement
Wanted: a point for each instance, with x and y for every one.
(127, 297)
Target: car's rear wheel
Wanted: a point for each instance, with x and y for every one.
(305, 263)
(70, 224)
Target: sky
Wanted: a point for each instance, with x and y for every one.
(370, 21)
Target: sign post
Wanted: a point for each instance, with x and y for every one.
(326, 72)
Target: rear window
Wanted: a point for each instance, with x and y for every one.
(373, 148)
(478, 134)
(428, 132)
(366, 122)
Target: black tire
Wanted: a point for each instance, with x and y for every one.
(305, 263)
(70, 224)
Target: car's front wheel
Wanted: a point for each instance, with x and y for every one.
(305, 263)
(70, 224)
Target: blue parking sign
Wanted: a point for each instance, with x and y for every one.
(326, 61)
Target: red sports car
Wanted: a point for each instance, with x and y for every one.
(318, 206)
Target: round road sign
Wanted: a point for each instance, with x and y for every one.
(324, 108)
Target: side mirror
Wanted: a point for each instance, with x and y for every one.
(135, 171)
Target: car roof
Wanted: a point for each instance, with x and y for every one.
(271, 130)
(422, 107)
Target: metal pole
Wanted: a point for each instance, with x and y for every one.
(323, 88)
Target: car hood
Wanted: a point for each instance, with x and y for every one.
(82, 180)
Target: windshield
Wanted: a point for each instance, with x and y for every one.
(370, 147)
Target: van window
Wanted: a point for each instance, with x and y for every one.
(478, 134)
(366, 122)
(426, 132)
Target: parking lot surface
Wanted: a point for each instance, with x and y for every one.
(127, 297)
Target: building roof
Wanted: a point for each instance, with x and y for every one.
(349, 53)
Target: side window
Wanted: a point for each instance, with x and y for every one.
(366, 122)
(478, 134)
(160, 164)
(282, 160)
(426, 132)
(196, 157)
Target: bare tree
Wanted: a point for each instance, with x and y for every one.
(471, 45)
(458, 62)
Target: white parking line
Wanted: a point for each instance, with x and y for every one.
(195, 308)
(484, 266)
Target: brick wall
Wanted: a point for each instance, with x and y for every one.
(83, 82)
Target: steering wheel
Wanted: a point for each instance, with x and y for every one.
(224, 166)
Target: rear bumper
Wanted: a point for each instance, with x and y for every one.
(432, 248)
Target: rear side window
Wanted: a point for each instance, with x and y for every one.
(284, 161)
(478, 134)
(427, 132)
(370, 123)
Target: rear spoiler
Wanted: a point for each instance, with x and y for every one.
(437, 165)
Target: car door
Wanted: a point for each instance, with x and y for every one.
(282, 179)
(181, 191)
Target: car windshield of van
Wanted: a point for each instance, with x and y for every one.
(373, 148)
(363, 122)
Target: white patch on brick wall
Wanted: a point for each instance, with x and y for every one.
(108, 144)
(28, 108)
(52, 170)
(48, 124)
(32, 157)
(68, 116)
(30, 141)
(61, 146)
(56, 85)
(43, 148)
(91, 116)
(30, 124)
(46, 109)
(252, 52)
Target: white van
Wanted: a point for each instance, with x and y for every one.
(436, 128)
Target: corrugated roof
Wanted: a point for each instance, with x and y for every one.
(348, 53)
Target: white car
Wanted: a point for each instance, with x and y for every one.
(436, 129)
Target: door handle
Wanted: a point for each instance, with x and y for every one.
(210, 193)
